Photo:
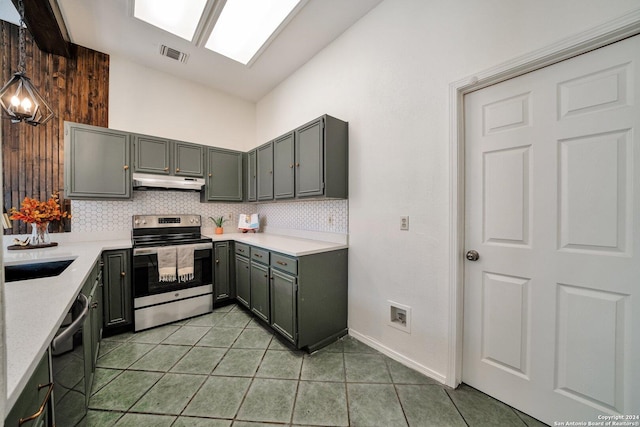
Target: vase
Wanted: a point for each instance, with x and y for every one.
(40, 233)
(219, 230)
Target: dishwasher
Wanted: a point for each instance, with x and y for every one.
(70, 395)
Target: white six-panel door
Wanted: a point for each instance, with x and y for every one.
(552, 206)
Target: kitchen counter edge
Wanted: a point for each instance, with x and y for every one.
(35, 309)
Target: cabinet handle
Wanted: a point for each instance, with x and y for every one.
(281, 263)
(210, 175)
(122, 274)
(166, 169)
(94, 305)
(257, 255)
(266, 275)
(41, 409)
(298, 164)
(291, 165)
(177, 169)
(126, 167)
(240, 250)
(270, 172)
(217, 261)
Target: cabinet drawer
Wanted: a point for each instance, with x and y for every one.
(242, 249)
(285, 263)
(260, 255)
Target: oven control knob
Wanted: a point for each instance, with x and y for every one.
(136, 222)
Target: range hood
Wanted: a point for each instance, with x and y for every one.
(143, 181)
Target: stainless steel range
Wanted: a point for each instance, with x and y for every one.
(172, 264)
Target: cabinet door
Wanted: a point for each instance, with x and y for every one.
(221, 271)
(224, 175)
(96, 163)
(265, 171)
(284, 297)
(260, 290)
(309, 155)
(243, 276)
(188, 159)
(117, 288)
(252, 177)
(152, 155)
(283, 173)
(34, 395)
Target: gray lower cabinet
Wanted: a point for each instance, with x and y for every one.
(96, 162)
(284, 304)
(322, 158)
(35, 395)
(283, 167)
(224, 176)
(152, 154)
(259, 283)
(251, 175)
(302, 298)
(243, 277)
(264, 168)
(118, 308)
(222, 271)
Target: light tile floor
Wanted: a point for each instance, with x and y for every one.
(227, 369)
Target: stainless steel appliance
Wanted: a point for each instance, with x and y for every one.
(71, 393)
(157, 302)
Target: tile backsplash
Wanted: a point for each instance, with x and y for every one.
(114, 215)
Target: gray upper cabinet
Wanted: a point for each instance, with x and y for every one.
(283, 171)
(251, 175)
(188, 159)
(96, 162)
(265, 171)
(152, 154)
(322, 158)
(224, 175)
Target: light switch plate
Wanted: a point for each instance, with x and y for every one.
(404, 222)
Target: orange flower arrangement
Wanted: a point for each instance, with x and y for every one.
(34, 211)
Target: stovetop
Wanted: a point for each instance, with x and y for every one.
(166, 230)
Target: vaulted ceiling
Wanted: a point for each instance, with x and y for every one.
(109, 27)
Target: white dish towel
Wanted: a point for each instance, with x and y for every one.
(185, 263)
(167, 264)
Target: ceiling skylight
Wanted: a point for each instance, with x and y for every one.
(179, 17)
(245, 25)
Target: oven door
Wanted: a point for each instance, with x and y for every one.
(146, 280)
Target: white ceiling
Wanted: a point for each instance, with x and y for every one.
(107, 26)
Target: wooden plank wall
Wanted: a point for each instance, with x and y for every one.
(77, 89)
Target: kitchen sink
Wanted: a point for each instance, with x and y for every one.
(14, 273)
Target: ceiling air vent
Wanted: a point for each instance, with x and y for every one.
(172, 53)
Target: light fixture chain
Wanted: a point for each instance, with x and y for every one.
(21, 38)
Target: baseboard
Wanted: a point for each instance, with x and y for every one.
(398, 357)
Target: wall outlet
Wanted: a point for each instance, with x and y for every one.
(399, 316)
(404, 222)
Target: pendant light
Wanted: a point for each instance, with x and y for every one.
(19, 99)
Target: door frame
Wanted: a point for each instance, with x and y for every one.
(609, 32)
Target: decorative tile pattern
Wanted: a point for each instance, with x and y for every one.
(315, 215)
(113, 215)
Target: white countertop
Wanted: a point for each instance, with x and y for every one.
(35, 309)
(287, 245)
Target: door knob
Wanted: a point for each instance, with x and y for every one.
(473, 255)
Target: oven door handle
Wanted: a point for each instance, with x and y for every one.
(75, 325)
(154, 249)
